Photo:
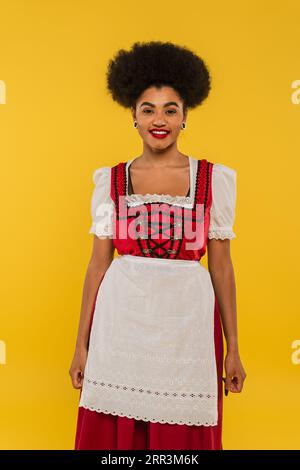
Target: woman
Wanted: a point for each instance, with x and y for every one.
(149, 351)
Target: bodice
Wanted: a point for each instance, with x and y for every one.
(161, 225)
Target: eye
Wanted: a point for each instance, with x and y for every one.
(172, 111)
(146, 111)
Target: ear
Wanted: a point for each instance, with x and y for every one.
(133, 112)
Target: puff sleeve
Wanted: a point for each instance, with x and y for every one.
(102, 206)
(222, 212)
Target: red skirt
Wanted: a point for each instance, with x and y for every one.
(101, 431)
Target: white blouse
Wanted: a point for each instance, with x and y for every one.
(102, 205)
(222, 212)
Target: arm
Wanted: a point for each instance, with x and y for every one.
(101, 258)
(222, 276)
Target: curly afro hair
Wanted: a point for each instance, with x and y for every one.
(157, 63)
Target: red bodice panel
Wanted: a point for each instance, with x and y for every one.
(162, 230)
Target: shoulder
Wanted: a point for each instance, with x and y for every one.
(221, 169)
(218, 169)
(101, 175)
(223, 177)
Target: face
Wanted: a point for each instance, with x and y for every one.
(159, 109)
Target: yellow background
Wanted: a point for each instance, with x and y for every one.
(59, 124)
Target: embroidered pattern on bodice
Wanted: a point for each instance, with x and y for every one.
(168, 225)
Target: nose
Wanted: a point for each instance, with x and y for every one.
(159, 119)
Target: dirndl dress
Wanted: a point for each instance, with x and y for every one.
(153, 376)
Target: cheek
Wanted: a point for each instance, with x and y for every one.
(176, 124)
(143, 131)
(143, 128)
(175, 132)
(144, 121)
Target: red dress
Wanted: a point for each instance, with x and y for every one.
(104, 431)
(101, 431)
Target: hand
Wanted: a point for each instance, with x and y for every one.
(77, 367)
(235, 373)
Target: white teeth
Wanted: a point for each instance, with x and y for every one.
(159, 132)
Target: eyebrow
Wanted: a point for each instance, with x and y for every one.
(153, 106)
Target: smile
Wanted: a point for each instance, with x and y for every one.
(159, 134)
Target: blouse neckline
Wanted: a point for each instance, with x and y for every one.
(182, 201)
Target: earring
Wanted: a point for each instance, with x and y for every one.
(183, 125)
(135, 124)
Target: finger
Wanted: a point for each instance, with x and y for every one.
(77, 379)
(225, 389)
(80, 379)
(237, 383)
(228, 383)
(74, 382)
(240, 384)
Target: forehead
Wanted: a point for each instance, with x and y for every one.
(159, 96)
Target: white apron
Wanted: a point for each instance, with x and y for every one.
(152, 353)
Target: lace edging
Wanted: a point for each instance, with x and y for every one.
(137, 199)
(221, 234)
(101, 231)
(146, 419)
(135, 388)
(107, 403)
